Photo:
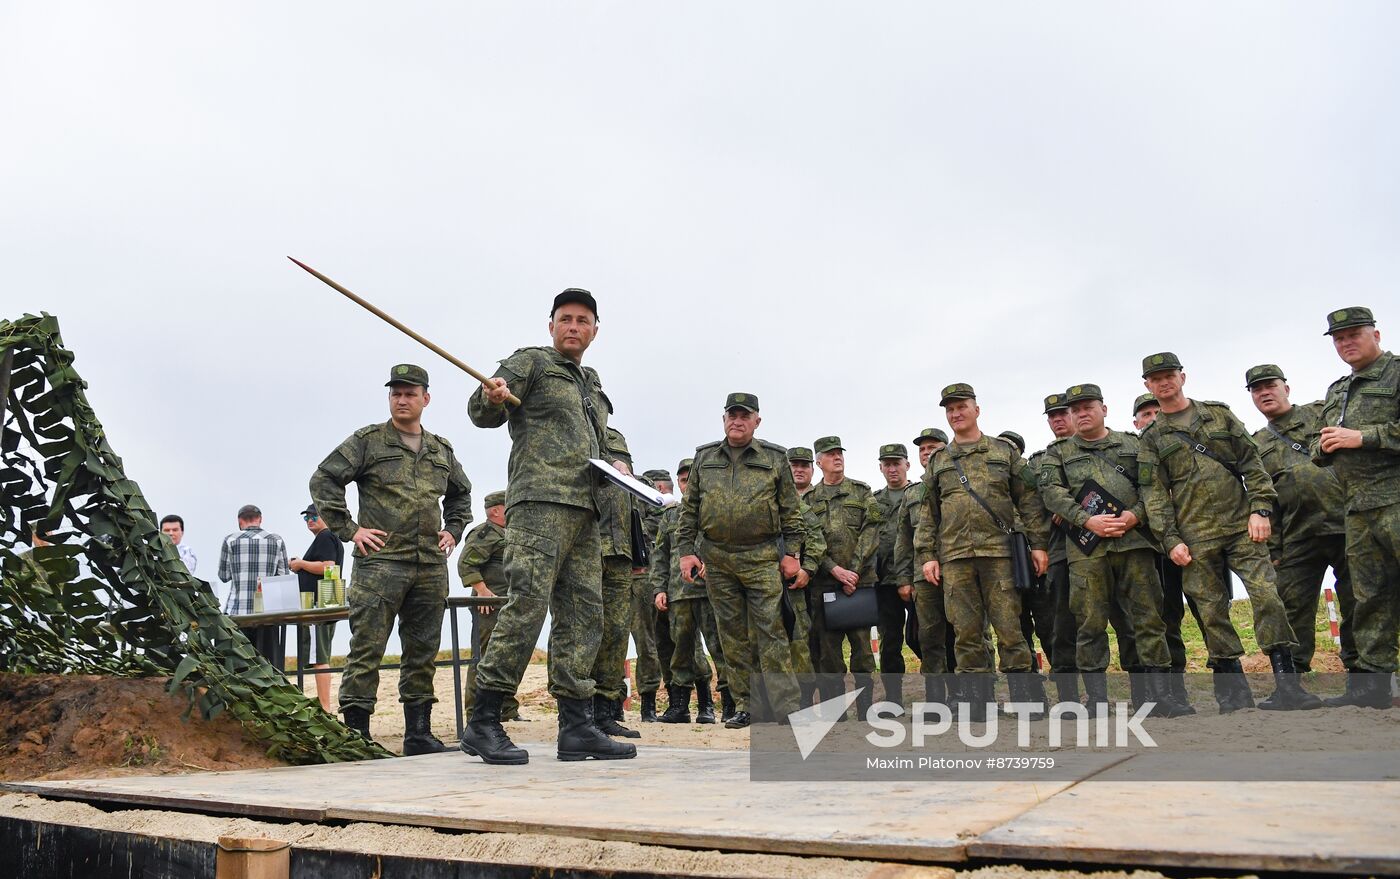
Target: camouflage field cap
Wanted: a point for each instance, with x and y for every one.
(495, 499)
(741, 401)
(1160, 362)
(658, 475)
(1054, 402)
(1015, 438)
(1262, 373)
(893, 450)
(828, 444)
(931, 433)
(800, 453)
(1083, 392)
(575, 295)
(1143, 400)
(685, 465)
(645, 480)
(407, 374)
(957, 391)
(1349, 317)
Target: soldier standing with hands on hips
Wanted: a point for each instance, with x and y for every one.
(553, 556)
(402, 540)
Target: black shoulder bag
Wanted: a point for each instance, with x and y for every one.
(1022, 570)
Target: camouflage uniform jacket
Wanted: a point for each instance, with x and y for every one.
(953, 524)
(552, 436)
(740, 503)
(665, 571)
(483, 558)
(1310, 498)
(1112, 462)
(1056, 544)
(615, 504)
(890, 501)
(850, 519)
(399, 492)
(1368, 401)
(909, 513)
(1191, 498)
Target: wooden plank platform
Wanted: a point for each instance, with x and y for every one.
(666, 796)
(1127, 816)
(1114, 811)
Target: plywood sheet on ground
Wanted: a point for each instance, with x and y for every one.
(667, 796)
(1126, 816)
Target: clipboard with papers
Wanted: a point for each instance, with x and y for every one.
(634, 487)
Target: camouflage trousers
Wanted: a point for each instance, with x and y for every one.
(1099, 584)
(1373, 553)
(831, 656)
(609, 669)
(380, 591)
(691, 619)
(745, 591)
(1175, 604)
(977, 591)
(933, 628)
(1207, 579)
(665, 645)
(554, 565)
(1300, 573)
(799, 641)
(646, 671)
(483, 624)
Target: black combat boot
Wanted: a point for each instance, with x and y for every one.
(357, 719)
(677, 705)
(866, 698)
(957, 699)
(1137, 686)
(1027, 688)
(1365, 689)
(1158, 690)
(484, 736)
(893, 686)
(648, 710)
(1066, 687)
(418, 735)
(935, 689)
(740, 720)
(1288, 694)
(1096, 693)
(979, 692)
(579, 739)
(1231, 686)
(726, 705)
(704, 703)
(1177, 686)
(606, 716)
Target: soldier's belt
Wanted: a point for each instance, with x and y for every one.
(740, 547)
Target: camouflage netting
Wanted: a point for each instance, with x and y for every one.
(111, 596)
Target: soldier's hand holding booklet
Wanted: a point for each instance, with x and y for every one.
(635, 487)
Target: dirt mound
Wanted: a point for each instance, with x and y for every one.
(81, 726)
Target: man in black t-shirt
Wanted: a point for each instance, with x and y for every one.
(310, 568)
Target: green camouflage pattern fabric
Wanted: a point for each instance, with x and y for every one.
(952, 525)
(689, 666)
(1207, 579)
(1311, 502)
(1373, 555)
(411, 496)
(1112, 462)
(746, 593)
(552, 436)
(890, 502)
(1055, 543)
(977, 591)
(665, 570)
(908, 521)
(484, 625)
(380, 591)
(850, 519)
(739, 498)
(647, 670)
(554, 563)
(609, 669)
(1126, 578)
(1191, 498)
(615, 504)
(1301, 571)
(482, 559)
(1371, 474)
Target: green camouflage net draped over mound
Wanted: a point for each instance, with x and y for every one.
(111, 596)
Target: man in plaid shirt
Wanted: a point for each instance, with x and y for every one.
(246, 556)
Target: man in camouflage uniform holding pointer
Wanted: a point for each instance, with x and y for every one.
(554, 557)
(1361, 443)
(402, 538)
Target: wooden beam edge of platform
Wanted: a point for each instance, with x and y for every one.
(163, 801)
(1176, 858)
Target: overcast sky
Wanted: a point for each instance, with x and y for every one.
(837, 207)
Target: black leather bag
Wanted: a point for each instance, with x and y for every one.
(844, 613)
